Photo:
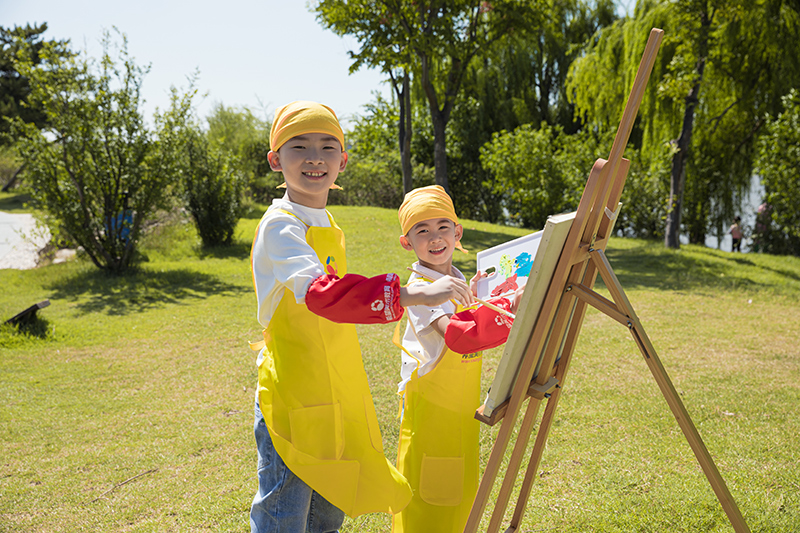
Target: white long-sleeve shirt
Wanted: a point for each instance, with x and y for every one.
(281, 257)
(424, 342)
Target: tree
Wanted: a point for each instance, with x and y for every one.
(15, 88)
(381, 48)
(554, 173)
(779, 165)
(520, 81)
(238, 132)
(97, 170)
(438, 39)
(723, 66)
(374, 168)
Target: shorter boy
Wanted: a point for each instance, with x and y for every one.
(441, 373)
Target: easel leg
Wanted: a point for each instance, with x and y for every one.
(671, 395)
(514, 463)
(536, 458)
(492, 468)
(552, 404)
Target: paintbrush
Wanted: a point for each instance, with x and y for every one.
(482, 302)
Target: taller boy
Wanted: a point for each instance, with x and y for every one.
(319, 445)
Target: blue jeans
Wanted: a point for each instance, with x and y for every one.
(284, 503)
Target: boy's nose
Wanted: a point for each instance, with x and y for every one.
(314, 156)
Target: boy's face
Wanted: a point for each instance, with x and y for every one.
(433, 241)
(310, 164)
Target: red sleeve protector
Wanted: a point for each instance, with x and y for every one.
(356, 299)
(478, 329)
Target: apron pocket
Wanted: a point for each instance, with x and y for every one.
(318, 431)
(441, 480)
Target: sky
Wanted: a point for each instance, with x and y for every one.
(258, 54)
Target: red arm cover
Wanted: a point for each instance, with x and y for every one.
(356, 299)
(478, 329)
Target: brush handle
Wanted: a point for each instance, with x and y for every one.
(482, 302)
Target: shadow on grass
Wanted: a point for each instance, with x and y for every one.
(236, 250)
(651, 265)
(18, 335)
(14, 202)
(97, 291)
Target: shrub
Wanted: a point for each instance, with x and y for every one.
(212, 187)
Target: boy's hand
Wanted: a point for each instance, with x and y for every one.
(436, 293)
(516, 298)
(473, 283)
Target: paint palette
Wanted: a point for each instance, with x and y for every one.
(508, 265)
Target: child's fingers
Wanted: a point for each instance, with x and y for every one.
(465, 294)
(478, 276)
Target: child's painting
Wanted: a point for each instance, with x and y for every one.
(508, 265)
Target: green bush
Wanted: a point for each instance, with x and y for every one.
(212, 188)
(539, 172)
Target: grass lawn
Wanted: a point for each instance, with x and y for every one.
(128, 406)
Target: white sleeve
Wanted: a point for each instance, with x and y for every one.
(422, 316)
(283, 258)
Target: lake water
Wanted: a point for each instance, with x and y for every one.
(748, 214)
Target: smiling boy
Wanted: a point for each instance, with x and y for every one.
(320, 453)
(440, 374)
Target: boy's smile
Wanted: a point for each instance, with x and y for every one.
(433, 241)
(310, 164)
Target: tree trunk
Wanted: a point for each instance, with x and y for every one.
(439, 117)
(440, 149)
(13, 180)
(405, 133)
(677, 179)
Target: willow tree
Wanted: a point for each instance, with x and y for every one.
(722, 68)
(436, 41)
(521, 81)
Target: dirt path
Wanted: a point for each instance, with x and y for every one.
(20, 241)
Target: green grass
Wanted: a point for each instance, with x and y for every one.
(150, 375)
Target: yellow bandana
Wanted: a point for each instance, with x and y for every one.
(301, 117)
(425, 203)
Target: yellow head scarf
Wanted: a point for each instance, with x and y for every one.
(425, 203)
(300, 117)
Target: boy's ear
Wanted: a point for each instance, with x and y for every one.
(274, 161)
(404, 242)
(459, 231)
(343, 162)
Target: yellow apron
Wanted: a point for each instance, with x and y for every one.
(316, 402)
(439, 444)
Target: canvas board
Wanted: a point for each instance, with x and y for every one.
(545, 249)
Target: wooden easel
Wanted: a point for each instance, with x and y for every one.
(559, 322)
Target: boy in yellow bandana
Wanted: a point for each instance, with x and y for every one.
(319, 446)
(441, 371)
